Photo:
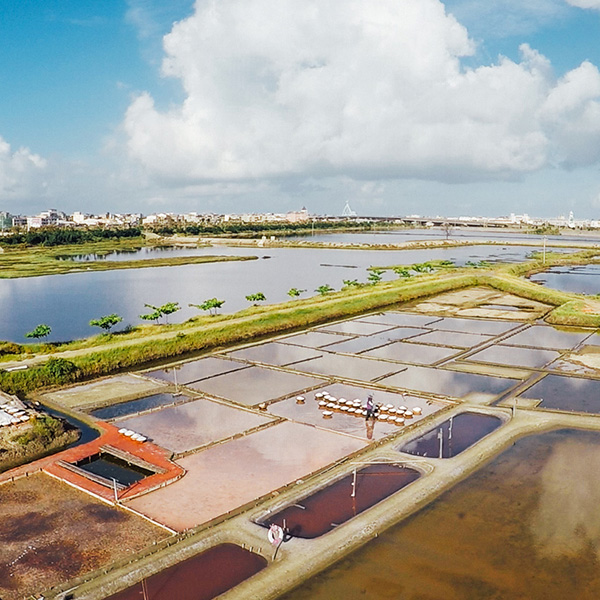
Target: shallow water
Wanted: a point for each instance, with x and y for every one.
(134, 406)
(578, 279)
(447, 382)
(523, 527)
(567, 393)
(201, 577)
(111, 467)
(341, 500)
(453, 435)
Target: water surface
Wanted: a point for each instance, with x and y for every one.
(526, 527)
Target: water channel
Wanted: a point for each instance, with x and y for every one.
(68, 302)
(526, 526)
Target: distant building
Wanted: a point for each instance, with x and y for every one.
(298, 216)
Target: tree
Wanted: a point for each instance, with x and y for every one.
(212, 304)
(375, 275)
(402, 272)
(106, 322)
(168, 309)
(258, 297)
(159, 311)
(294, 292)
(153, 316)
(40, 331)
(324, 289)
(350, 283)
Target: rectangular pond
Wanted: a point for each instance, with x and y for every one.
(340, 501)
(202, 577)
(255, 385)
(194, 424)
(110, 467)
(352, 423)
(544, 336)
(228, 475)
(274, 353)
(408, 352)
(350, 367)
(566, 393)
(195, 370)
(481, 326)
(366, 342)
(448, 383)
(134, 406)
(514, 356)
(453, 435)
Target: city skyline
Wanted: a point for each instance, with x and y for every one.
(398, 106)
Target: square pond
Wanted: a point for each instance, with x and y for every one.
(448, 383)
(254, 385)
(196, 370)
(193, 424)
(566, 393)
(228, 475)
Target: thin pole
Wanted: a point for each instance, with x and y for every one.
(115, 489)
(441, 438)
(544, 261)
(353, 494)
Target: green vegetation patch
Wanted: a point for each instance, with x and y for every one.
(33, 262)
(37, 438)
(576, 313)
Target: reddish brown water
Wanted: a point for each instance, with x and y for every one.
(524, 527)
(345, 498)
(201, 577)
(453, 436)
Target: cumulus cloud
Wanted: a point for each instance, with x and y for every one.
(359, 89)
(595, 4)
(21, 172)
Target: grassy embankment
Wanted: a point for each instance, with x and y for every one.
(104, 354)
(41, 260)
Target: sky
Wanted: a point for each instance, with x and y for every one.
(398, 107)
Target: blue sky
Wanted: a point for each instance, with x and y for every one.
(398, 106)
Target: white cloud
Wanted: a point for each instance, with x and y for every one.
(361, 89)
(594, 4)
(21, 172)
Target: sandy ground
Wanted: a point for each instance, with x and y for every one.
(50, 532)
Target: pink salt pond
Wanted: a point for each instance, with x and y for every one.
(224, 477)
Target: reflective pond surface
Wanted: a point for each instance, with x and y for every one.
(110, 467)
(453, 436)
(68, 302)
(526, 526)
(566, 393)
(201, 577)
(343, 499)
(446, 382)
(578, 279)
(135, 406)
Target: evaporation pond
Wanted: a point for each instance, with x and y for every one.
(201, 577)
(195, 370)
(136, 406)
(566, 393)
(453, 436)
(525, 526)
(341, 500)
(110, 467)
